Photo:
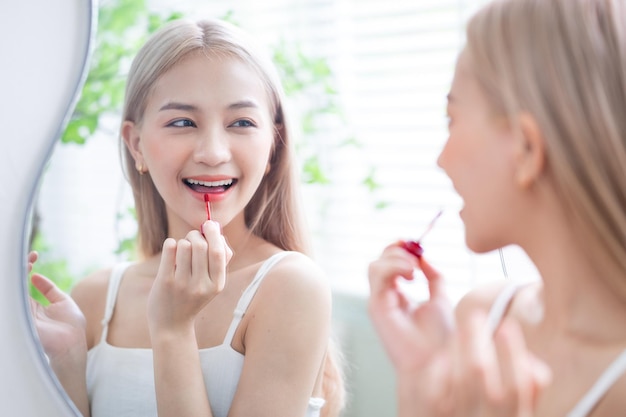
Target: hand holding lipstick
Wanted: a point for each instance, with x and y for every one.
(414, 246)
(447, 363)
(191, 273)
(411, 334)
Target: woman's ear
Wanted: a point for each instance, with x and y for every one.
(130, 134)
(530, 152)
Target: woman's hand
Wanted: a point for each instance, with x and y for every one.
(60, 325)
(495, 374)
(411, 334)
(444, 368)
(191, 273)
(415, 336)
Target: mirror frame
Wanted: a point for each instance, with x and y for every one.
(46, 48)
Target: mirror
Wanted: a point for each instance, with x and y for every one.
(44, 52)
(405, 71)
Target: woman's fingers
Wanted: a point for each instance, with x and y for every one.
(383, 273)
(167, 267)
(199, 260)
(475, 363)
(393, 263)
(182, 271)
(523, 375)
(542, 375)
(517, 383)
(32, 258)
(218, 253)
(48, 289)
(435, 279)
(496, 375)
(62, 308)
(192, 270)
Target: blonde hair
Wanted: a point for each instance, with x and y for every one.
(274, 212)
(564, 62)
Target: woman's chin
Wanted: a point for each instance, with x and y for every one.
(478, 245)
(474, 242)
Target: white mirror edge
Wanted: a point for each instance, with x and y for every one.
(46, 47)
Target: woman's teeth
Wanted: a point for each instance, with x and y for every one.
(221, 183)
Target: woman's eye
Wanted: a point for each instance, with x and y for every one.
(243, 123)
(182, 123)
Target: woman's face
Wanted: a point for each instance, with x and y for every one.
(478, 159)
(207, 128)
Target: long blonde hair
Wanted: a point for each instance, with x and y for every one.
(564, 62)
(274, 212)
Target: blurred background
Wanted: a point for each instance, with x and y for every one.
(367, 81)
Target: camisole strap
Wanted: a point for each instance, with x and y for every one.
(249, 293)
(114, 285)
(600, 388)
(501, 305)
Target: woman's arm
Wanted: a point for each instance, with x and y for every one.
(286, 338)
(192, 272)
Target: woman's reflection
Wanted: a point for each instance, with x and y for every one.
(221, 316)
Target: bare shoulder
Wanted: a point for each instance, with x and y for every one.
(91, 288)
(297, 278)
(90, 295)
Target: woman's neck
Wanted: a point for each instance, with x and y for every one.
(575, 298)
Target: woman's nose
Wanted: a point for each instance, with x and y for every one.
(212, 147)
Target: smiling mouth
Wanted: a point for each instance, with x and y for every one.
(209, 187)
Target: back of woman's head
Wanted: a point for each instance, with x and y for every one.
(273, 213)
(564, 62)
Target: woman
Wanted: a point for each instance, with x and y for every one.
(216, 319)
(537, 151)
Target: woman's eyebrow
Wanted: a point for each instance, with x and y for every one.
(242, 104)
(173, 105)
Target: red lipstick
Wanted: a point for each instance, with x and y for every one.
(207, 202)
(413, 246)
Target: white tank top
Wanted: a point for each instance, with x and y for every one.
(587, 403)
(120, 381)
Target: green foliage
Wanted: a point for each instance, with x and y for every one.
(123, 26)
(372, 185)
(308, 81)
(370, 181)
(312, 172)
(127, 245)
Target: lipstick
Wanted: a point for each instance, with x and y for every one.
(414, 247)
(207, 202)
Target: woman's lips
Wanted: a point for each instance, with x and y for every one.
(216, 188)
